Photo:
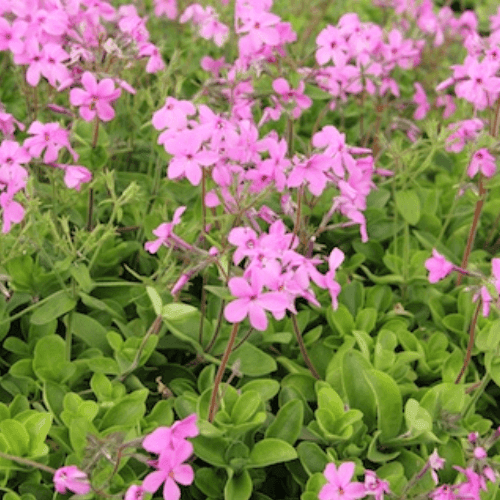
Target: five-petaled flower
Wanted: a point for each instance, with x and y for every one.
(96, 98)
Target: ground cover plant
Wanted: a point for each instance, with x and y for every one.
(248, 250)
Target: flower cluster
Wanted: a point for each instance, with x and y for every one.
(173, 449)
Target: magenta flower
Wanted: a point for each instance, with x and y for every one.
(75, 176)
(252, 302)
(171, 470)
(420, 99)
(375, 486)
(485, 297)
(12, 211)
(339, 486)
(135, 492)
(482, 161)
(49, 136)
(164, 232)
(287, 95)
(71, 478)
(165, 439)
(96, 98)
(438, 267)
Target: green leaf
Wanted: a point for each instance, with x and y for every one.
(246, 407)
(288, 422)
(340, 320)
(312, 457)
(90, 331)
(56, 306)
(16, 436)
(418, 419)
(253, 361)
(389, 403)
(408, 205)
(209, 481)
(49, 361)
(239, 487)
(267, 388)
(80, 273)
(359, 394)
(270, 451)
(38, 427)
(126, 412)
(155, 300)
(211, 450)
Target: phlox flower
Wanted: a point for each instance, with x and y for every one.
(164, 232)
(167, 8)
(189, 157)
(71, 478)
(50, 137)
(339, 486)
(11, 35)
(336, 258)
(12, 211)
(253, 302)
(438, 267)
(173, 114)
(444, 492)
(155, 62)
(134, 492)
(435, 463)
(486, 298)
(171, 470)
(482, 161)
(375, 486)
(463, 132)
(310, 171)
(287, 94)
(12, 154)
(495, 269)
(420, 99)
(75, 176)
(165, 439)
(96, 99)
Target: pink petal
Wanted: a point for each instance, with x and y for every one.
(239, 287)
(158, 440)
(171, 491)
(78, 96)
(184, 474)
(105, 112)
(89, 82)
(237, 310)
(257, 316)
(153, 480)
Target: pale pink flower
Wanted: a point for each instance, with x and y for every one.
(75, 176)
(420, 99)
(135, 492)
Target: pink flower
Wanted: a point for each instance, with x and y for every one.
(164, 232)
(375, 486)
(166, 7)
(171, 470)
(287, 94)
(435, 463)
(71, 478)
(135, 492)
(76, 176)
(420, 99)
(485, 297)
(165, 439)
(49, 136)
(96, 98)
(495, 269)
(444, 492)
(438, 267)
(482, 161)
(339, 485)
(12, 211)
(252, 302)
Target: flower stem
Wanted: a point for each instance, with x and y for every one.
(27, 461)
(473, 227)
(470, 345)
(220, 372)
(303, 349)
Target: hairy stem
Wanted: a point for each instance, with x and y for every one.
(470, 345)
(220, 372)
(303, 349)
